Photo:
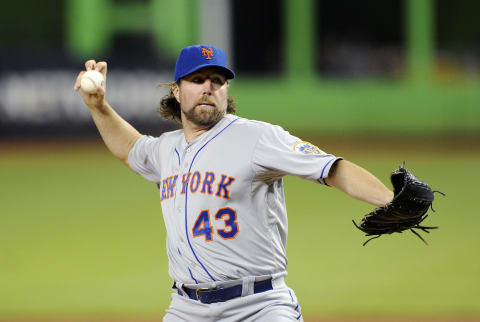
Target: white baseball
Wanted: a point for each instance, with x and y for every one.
(90, 80)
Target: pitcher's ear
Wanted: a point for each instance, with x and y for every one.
(176, 91)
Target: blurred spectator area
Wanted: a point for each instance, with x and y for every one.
(43, 45)
(351, 38)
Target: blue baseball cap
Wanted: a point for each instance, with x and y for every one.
(193, 58)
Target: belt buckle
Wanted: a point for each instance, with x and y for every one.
(198, 290)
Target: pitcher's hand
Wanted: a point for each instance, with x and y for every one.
(96, 99)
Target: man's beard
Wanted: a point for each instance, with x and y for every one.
(204, 117)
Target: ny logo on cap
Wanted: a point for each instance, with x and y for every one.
(207, 52)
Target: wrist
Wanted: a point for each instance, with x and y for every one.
(100, 106)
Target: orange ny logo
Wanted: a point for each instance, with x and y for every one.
(207, 52)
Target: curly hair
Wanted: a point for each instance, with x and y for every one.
(169, 108)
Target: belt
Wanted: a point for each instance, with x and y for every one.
(222, 294)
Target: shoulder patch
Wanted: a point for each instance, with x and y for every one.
(307, 148)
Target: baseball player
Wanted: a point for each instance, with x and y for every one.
(221, 191)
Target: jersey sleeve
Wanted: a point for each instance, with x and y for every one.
(144, 158)
(279, 153)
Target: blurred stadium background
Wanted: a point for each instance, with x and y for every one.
(377, 82)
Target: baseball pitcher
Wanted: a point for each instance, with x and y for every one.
(219, 179)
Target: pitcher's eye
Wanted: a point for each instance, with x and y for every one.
(198, 80)
(217, 80)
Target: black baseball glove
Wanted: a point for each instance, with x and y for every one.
(411, 201)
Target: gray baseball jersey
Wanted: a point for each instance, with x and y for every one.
(222, 196)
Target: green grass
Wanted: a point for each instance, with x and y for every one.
(82, 235)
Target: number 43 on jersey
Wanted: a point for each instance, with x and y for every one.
(203, 227)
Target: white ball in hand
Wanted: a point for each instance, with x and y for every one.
(90, 80)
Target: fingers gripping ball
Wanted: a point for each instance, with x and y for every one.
(408, 209)
(90, 80)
